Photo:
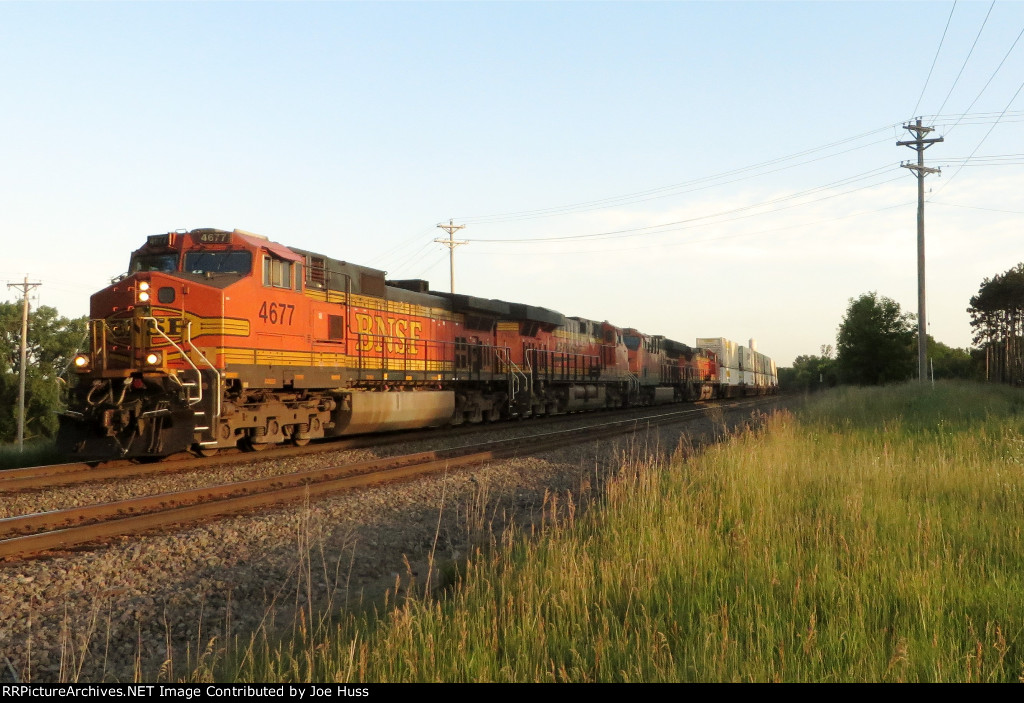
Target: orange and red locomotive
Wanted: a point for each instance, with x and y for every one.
(216, 339)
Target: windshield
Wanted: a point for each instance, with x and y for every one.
(218, 262)
(154, 262)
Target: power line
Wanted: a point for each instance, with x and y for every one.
(973, 163)
(914, 112)
(990, 78)
(990, 156)
(948, 180)
(641, 231)
(975, 118)
(433, 261)
(675, 189)
(402, 246)
(413, 255)
(718, 179)
(984, 22)
(711, 239)
(975, 207)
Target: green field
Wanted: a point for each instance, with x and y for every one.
(875, 535)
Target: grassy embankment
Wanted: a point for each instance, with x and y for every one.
(875, 536)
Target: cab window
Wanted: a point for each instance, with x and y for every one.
(277, 272)
(203, 262)
(154, 262)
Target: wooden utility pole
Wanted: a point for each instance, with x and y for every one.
(25, 288)
(919, 144)
(451, 228)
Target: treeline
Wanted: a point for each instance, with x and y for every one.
(52, 343)
(876, 344)
(997, 316)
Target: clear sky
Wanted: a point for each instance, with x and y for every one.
(690, 169)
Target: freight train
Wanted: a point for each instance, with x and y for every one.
(217, 339)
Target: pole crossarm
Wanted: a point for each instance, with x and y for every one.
(922, 170)
(451, 228)
(921, 143)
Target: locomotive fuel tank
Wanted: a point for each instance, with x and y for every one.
(366, 412)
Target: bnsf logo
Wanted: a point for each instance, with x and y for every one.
(398, 335)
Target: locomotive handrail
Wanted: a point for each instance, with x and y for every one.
(515, 372)
(634, 381)
(568, 370)
(416, 355)
(98, 329)
(672, 373)
(430, 351)
(216, 373)
(99, 345)
(199, 375)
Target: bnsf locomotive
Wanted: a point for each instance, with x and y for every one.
(217, 339)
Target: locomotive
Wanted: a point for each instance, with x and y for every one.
(217, 339)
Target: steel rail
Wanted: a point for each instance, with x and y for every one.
(51, 476)
(75, 526)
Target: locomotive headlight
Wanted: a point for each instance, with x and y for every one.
(154, 358)
(143, 296)
(143, 285)
(81, 362)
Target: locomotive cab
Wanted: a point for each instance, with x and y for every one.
(150, 383)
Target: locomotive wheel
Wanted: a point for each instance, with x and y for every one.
(205, 451)
(300, 442)
(249, 446)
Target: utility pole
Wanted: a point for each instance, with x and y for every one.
(451, 228)
(25, 288)
(919, 144)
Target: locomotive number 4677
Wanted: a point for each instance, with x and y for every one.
(277, 313)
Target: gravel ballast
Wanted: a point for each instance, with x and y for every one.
(147, 608)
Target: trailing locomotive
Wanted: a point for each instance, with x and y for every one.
(216, 339)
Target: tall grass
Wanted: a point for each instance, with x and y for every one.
(873, 536)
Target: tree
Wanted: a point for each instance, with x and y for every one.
(950, 362)
(810, 372)
(997, 316)
(52, 342)
(876, 342)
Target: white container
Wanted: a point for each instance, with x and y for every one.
(723, 348)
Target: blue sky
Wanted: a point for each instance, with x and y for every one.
(354, 128)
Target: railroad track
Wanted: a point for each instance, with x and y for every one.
(51, 476)
(33, 534)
